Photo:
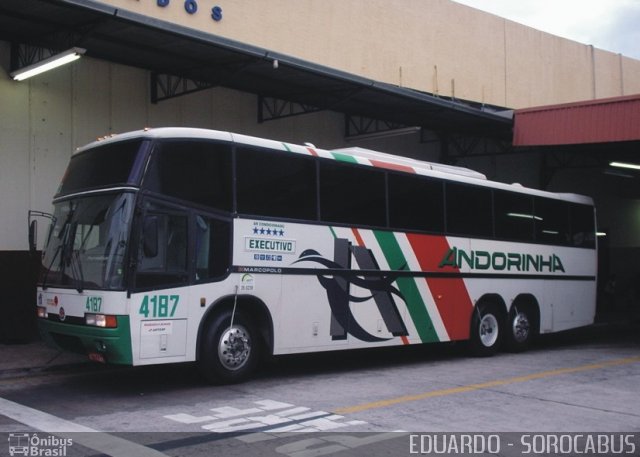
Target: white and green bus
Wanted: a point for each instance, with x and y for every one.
(177, 245)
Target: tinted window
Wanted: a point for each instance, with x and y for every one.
(163, 248)
(469, 210)
(212, 255)
(102, 166)
(583, 231)
(416, 203)
(514, 218)
(552, 221)
(351, 194)
(196, 171)
(277, 184)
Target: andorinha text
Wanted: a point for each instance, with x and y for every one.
(509, 261)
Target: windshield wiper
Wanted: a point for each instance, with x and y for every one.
(71, 257)
(78, 269)
(48, 269)
(75, 255)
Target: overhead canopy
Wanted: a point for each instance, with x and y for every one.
(131, 39)
(590, 122)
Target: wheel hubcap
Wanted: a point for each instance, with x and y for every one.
(234, 347)
(521, 327)
(488, 330)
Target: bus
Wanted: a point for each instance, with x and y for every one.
(189, 245)
(19, 443)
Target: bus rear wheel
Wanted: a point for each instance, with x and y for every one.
(230, 350)
(520, 329)
(486, 331)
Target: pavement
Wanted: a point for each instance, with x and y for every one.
(24, 359)
(34, 357)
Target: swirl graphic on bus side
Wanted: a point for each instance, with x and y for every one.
(337, 282)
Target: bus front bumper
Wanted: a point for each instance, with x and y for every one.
(106, 345)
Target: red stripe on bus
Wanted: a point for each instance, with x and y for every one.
(359, 239)
(313, 152)
(392, 166)
(450, 294)
(404, 339)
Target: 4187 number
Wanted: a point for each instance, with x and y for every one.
(159, 305)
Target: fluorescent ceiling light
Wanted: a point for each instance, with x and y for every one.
(48, 64)
(632, 166)
(601, 233)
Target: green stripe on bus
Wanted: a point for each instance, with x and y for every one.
(416, 306)
(116, 341)
(344, 157)
(286, 146)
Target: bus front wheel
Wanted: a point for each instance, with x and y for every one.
(230, 349)
(486, 331)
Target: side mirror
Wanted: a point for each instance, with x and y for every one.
(150, 236)
(33, 228)
(33, 236)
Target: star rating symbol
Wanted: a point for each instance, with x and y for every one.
(268, 231)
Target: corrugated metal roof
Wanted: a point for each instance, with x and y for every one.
(595, 121)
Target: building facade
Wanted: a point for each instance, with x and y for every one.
(438, 46)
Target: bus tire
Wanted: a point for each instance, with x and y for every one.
(229, 354)
(486, 330)
(520, 328)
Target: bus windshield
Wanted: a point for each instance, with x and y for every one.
(87, 242)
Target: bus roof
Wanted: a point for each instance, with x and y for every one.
(357, 155)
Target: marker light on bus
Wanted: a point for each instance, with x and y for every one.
(42, 312)
(101, 320)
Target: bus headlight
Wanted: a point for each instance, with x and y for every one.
(42, 312)
(101, 320)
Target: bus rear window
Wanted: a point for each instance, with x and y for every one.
(101, 166)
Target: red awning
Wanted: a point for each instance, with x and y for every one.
(594, 121)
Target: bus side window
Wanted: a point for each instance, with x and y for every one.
(469, 210)
(279, 184)
(194, 171)
(352, 195)
(176, 243)
(514, 217)
(552, 221)
(152, 251)
(583, 231)
(212, 248)
(416, 203)
(163, 251)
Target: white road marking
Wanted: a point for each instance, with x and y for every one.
(229, 419)
(84, 436)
